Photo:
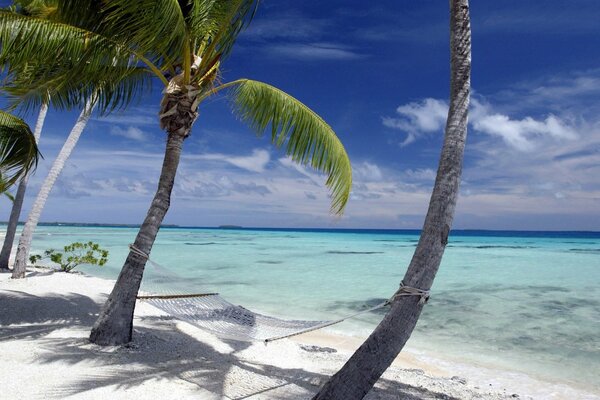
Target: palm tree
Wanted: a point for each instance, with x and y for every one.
(15, 212)
(376, 354)
(181, 44)
(11, 228)
(191, 39)
(18, 150)
(44, 20)
(40, 201)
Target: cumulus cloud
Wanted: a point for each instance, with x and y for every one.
(418, 118)
(366, 171)
(518, 133)
(420, 174)
(429, 116)
(131, 133)
(525, 167)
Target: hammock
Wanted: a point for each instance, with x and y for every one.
(211, 312)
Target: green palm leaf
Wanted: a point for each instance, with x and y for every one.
(307, 138)
(66, 65)
(152, 26)
(228, 18)
(115, 88)
(18, 150)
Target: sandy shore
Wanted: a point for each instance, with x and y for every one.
(45, 320)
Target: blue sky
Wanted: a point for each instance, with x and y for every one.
(378, 72)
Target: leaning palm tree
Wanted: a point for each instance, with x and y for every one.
(181, 44)
(376, 354)
(35, 213)
(18, 150)
(36, 76)
(191, 39)
(15, 212)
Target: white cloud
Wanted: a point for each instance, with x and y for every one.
(518, 133)
(313, 51)
(366, 171)
(421, 174)
(133, 116)
(428, 116)
(131, 133)
(253, 163)
(554, 186)
(314, 177)
(418, 118)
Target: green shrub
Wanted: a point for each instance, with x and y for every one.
(73, 255)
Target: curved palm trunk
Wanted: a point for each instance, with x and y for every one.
(376, 354)
(15, 212)
(114, 326)
(34, 215)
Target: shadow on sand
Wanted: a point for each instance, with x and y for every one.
(159, 351)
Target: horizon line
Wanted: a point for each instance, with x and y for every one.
(234, 227)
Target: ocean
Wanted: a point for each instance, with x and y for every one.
(519, 301)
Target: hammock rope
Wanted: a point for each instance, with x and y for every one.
(211, 312)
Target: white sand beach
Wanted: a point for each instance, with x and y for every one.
(45, 320)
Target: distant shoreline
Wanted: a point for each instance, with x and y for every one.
(454, 232)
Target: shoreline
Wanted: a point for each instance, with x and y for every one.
(309, 357)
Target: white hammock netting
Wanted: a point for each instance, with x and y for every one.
(215, 314)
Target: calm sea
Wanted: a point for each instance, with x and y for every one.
(525, 301)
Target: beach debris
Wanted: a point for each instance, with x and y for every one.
(317, 349)
(459, 379)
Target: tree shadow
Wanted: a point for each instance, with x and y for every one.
(164, 350)
(26, 315)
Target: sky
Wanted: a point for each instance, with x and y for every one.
(378, 73)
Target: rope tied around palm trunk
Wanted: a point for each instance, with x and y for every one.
(410, 291)
(137, 251)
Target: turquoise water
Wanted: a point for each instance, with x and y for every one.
(529, 303)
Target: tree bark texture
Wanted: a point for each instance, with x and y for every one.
(36, 210)
(15, 212)
(376, 354)
(114, 326)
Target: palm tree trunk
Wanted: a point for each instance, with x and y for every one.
(34, 215)
(178, 112)
(115, 324)
(15, 212)
(376, 354)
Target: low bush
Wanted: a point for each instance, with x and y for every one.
(73, 255)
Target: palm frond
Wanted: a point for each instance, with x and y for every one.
(114, 89)
(52, 61)
(227, 20)
(18, 150)
(152, 27)
(307, 138)
(86, 14)
(25, 38)
(4, 190)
